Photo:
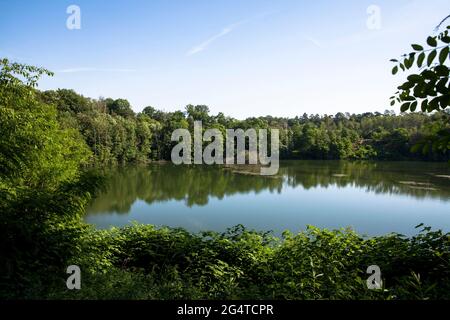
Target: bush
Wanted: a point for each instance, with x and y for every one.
(144, 262)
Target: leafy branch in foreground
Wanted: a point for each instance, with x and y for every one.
(31, 74)
(429, 88)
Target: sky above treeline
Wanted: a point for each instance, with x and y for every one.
(243, 58)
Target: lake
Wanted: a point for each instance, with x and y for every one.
(373, 198)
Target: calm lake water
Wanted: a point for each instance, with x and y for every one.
(373, 198)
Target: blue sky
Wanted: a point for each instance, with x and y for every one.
(244, 58)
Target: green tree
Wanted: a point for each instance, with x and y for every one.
(198, 113)
(42, 190)
(120, 107)
(34, 149)
(67, 100)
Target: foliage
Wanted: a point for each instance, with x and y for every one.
(39, 232)
(143, 262)
(120, 107)
(428, 89)
(109, 127)
(34, 150)
(43, 194)
(114, 138)
(42, 191)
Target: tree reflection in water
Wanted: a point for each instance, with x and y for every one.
(195, 185)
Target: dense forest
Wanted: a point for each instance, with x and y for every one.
(115, 134)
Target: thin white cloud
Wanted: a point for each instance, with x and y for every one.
(89, 69)
(202, 46)
(315, 42)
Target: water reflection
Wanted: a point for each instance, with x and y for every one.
(196, 185)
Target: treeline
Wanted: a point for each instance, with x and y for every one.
(116, 134)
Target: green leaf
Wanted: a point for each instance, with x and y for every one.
(428, 74)
(441, 86)
(413, 106)
(409, 61)
(444, 101)
(424, 105)
(419, 90)
(392, 102)
(441, 70)
(430, 88)
(393, 60)
(405, 106)
(446, 39)
(407, 85)
(415, 78)
(417, 47)
(420, 59)
(433, 104)
(432, 41)
(395, 70)
(431, 57)
(443, 55)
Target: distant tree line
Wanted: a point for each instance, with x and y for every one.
(116, 134)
